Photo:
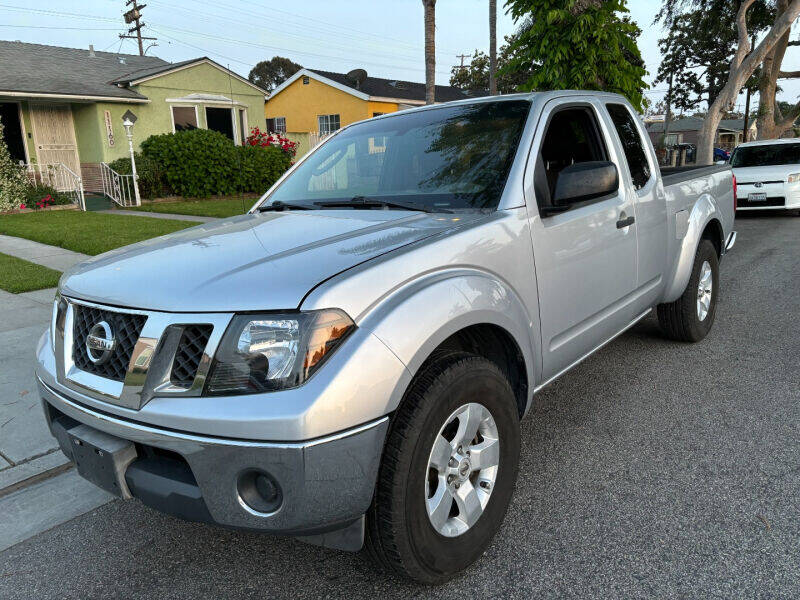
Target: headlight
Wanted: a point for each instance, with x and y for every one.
(794, 178)
(262, 353)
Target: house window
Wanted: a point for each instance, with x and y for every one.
(12, 133)
(671, 140)
(184, 118)
(328, 123)
(280, 125)
(220, 119)
(305, 79)
(377, 114)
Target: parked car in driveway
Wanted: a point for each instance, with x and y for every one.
(768, 175)
(349, 362)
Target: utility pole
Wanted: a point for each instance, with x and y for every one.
(747, 100)
(132, 16)
(668, 116)
(462, 57)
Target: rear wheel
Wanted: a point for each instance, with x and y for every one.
(448, 470)
(690, 317)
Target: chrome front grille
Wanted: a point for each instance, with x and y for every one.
(126, 328)
(189, 354)
(154, 353)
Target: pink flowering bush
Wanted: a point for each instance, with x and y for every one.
(264, 139)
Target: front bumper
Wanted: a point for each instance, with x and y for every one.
(326, 483)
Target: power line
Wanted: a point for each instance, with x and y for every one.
(301, 37)
(58, 27)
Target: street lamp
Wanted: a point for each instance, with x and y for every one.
(128, 119)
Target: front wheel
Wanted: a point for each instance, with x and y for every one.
(690, 317)
(448, 470)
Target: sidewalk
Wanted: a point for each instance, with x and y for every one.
(38, 488)
(156, 215)
(41, 254)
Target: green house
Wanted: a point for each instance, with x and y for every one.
(64, 106)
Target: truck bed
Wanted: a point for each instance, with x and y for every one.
(673, 175)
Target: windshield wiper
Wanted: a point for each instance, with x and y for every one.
(367, 202)
(278, 205)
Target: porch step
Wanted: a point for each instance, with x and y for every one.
(98, 202)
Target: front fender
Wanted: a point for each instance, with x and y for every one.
(689, 227)
(415, 320)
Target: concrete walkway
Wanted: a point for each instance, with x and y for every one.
(41, 254)
(38, 487)
(155, 215)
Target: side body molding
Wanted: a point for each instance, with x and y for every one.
(703, 211)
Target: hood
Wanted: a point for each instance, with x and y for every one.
(764, 174)
(252, 262)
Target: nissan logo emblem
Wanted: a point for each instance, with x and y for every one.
(758, 185)
(100, 343)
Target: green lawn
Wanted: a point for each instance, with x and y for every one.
(86, 232)
(211, 207)
(17, 275)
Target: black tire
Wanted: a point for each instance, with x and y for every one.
(400, 536)
(679, 319)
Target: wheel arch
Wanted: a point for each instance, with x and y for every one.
(703, 223)
(466, 310)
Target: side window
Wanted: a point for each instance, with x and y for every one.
(572, 137)
(631, 144)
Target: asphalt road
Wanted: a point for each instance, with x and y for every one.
(654, 469)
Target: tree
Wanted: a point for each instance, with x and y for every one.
(269, 74)
(475, 75)
(578, 44)
(430, 50)
(774, 120)
(493, 47)
(13, 181)
(742, 67)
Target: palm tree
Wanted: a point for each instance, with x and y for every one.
(492, 47)
(430, 50)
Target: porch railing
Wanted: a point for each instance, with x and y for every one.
(61, 178)
(118, 187)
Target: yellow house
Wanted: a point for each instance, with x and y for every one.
(315, 103)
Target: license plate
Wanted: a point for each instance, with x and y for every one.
(757, 197)
(101, 458)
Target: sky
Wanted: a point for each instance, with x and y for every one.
(385, 37)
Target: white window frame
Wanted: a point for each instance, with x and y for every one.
(232, 110)
(172, 114)
(243, 128)
(277, 129)
(327, 118)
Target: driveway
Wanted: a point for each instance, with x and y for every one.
(654, 469)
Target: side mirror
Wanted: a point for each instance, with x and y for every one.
(584, 181)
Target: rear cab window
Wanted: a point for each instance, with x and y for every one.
(632, 144)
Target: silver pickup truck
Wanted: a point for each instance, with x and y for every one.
(348, 363)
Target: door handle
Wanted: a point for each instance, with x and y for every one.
(622, 223)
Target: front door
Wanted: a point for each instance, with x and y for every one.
(585, 262)
(54, 135)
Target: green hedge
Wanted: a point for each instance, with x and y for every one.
(201, 162)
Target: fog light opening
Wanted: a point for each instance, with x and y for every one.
(259, 493)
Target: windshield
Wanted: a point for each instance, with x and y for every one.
(767, 155)
(440, 159)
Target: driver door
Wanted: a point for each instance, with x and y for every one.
(585, 261)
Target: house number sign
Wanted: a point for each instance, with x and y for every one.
(109, 129)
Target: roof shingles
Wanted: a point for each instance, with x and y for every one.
(40, 69)
(402, 90)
